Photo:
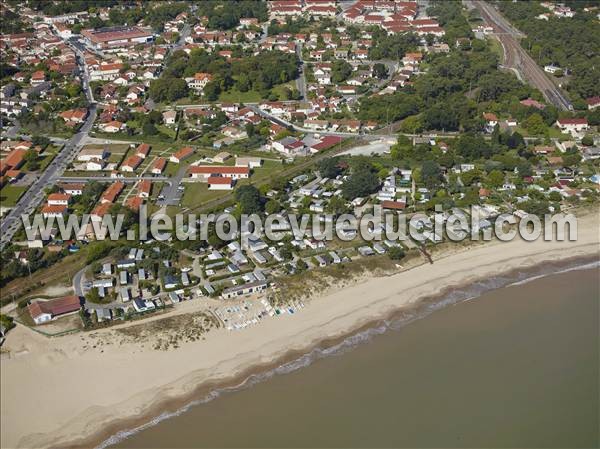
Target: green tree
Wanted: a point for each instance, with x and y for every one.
(411, 125)
(249, 200)
(380, 71)
(396, 253)
(149, 129)
(535, 124)
(337, 206)
(272, 206)
(329, 167)
(495, 178)
(360, 183)
(431, 174)
(340, 71)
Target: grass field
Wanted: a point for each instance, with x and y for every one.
(197, 193)
(235, 96)
(9, 195)
(48, 156)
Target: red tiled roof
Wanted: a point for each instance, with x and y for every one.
(219, 180)
(184, 152)
(101, 209)
(144, 186)
(55, 307)
(593, 101)
(112, 192)
(327, 142)
(397, 205)
(54, 209)
(219, 169)
(143, 148)
(59, 197)
(572, 121)
(14, 159)
(159, 164)
(132, 161)
(134, 203)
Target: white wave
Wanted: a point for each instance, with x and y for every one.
(453, 297)
(587, 266)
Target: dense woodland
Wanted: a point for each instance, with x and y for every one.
(571, 43)
(253, 72)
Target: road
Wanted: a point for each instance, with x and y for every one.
(125, 179)
(171, 192)
(35, 194)
(287, 124)
(516, 58)
(185, 33)
(301, 80)
(78, 280)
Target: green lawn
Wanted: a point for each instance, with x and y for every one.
(496, 47)
(269, 169)
(47, 157)
(235, 96)
(197, 194)
(9, 195)
(166, 130)
(280, 89)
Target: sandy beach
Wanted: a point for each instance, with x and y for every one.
(73, 391)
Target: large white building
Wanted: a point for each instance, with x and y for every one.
(115, 38)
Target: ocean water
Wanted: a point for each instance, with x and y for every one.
(517, 366)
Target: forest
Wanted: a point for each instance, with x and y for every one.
(570, 43)
(258, 72)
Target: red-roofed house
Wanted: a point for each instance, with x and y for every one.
(181, 155)
(572, 125)
(220, 183)
(593, 103)
(43, 311)
(142, 150)
(144, 188)
(134, 203)
(113, 126)
(394, 205)
(131, 163)
(111, 194)
(59, 199)
(203, 172)
(158, 166)
(74, 115)
(38, 77)
(13, 160)
(199, 81)
(100, 211)
(325, 143)
(53, 211)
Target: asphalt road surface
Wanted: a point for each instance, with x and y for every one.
(35, 194)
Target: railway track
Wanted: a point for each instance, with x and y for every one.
(515, 57)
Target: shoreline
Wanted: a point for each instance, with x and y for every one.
(238, 356)
(260, 373)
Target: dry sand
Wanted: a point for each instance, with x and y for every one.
(60, 391)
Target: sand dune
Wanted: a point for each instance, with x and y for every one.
(58, 392)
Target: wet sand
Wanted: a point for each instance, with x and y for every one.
(59, 393)
(514, 367)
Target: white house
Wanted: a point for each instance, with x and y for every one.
(572, 125)
(169, 117)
